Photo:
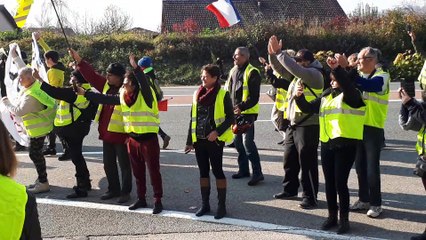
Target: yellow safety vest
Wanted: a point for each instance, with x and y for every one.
(422, 77)
(337, 119)
(115, 123)
(420, 146)
(308, 94)
(219, 117)
(139, 118)
(377, 103)
(280, 102)
(63, 115)
(13, 199)
(38, 124)
(247, 72)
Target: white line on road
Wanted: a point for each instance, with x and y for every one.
(190, 216)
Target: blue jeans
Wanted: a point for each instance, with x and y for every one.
(367, 164)
(247, 150)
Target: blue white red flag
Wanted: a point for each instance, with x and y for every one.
(225, 11)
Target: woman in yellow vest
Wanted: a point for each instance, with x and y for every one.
(141, 121)
(210, 127)
(341, 118)
(72, 122)
(18, 209)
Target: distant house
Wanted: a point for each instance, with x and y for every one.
(7, 23)
(192, 13)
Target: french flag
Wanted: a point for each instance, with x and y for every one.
(225, 11)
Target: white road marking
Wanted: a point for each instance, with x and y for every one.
(190, 216)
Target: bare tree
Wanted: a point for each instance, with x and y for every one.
(114, 20)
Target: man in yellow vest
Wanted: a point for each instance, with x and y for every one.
(55, 77)
(374, 82)
(243, 84)
(37, 111)
(302, 137)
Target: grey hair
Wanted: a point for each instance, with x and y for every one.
(374, 53)
(244, 51)
(25, 71)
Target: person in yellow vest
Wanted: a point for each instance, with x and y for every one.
(146, 65)
(414, 118)
(210, 128)
(37, 111)
(55, 77)
(243, 85)
(110, 128)
(374, 83)
(18, 207)
(141, 121)
(72, 122)
(302, 137)
(341, 116)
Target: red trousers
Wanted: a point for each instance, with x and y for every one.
(141, 153)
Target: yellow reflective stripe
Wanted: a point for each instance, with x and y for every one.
(141, 124)
(219, 120)
(38, 125)
(342, 111)
(140, 114)
(375, 99)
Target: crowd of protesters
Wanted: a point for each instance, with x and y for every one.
(345, 110)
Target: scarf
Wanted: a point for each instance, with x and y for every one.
(207, 97)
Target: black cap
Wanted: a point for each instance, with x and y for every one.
(304, 55)
(116, 69)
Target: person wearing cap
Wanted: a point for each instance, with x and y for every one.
(302, 137)
(37, 111)
(72, 122)
(243, 84)
(146, 65)
(374, 82)
(140, 115)
(111, 128)
(341, 114)
(55, 77)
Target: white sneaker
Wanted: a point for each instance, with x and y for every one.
(374, 211)
(39, 187)
(358, 206)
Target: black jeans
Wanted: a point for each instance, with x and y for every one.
(73, 135)
(36, 155)
(209, 153)
(367, 164)
(336, 165)
(301, 152)
(112, 152)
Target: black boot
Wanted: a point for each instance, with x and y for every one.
(83, 185)
(205, 196)
(221, 196)
(343, 223)
(331, 220)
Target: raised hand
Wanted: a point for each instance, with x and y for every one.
(342, 60)
(37, 35)
(74, 54)
(332, 63)
(274, 46)
(132, 60)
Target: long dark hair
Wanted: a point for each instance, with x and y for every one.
(8, 161)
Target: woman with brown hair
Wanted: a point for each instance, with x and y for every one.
(16, 203)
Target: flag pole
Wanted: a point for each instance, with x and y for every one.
(60, 23)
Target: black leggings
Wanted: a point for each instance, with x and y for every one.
(209, 153)
(336, 165)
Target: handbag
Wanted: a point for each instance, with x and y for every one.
(420, 168)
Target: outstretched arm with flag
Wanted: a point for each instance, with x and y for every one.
(226, 13)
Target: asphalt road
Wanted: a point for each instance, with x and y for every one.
(253, 213)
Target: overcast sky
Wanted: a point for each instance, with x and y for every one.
(147, 13)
